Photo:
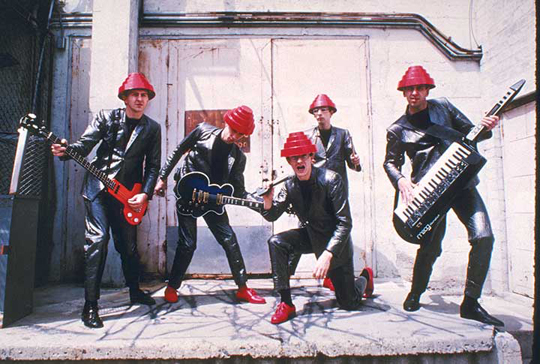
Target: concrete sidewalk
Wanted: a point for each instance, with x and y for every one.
(208, 323)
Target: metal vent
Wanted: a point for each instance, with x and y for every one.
(31, 179)
(8, 145)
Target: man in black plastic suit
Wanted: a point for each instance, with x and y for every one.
(317, 196)
(130, 152)
(410, 135)
(212, 151)
(335, 151)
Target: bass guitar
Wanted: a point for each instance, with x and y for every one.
(115, 188)
(195, 196)
(435, 192)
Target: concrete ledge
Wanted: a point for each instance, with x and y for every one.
(208, 324)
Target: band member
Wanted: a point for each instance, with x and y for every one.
(319, 199)
(130, 152)
(212, 151)
(335, 150)
(408, 136)
(334, 145)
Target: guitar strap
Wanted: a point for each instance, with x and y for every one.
(114, 128)
(444, 133)
(437, 131)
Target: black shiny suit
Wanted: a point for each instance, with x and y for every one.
(325, 224)
(336, 157)
(406, 137)
(337, 154)
(198, 146)
(129, 158)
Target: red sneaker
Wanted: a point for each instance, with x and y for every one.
(328, 284)
(249, 295)
(283, 313)
(171, 295)
(368, 273)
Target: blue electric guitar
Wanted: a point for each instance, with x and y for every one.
(195, 196)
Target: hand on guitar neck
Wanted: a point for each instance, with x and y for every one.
(59, 150)
(489, 122)
(268, 195)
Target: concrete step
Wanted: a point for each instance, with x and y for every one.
(208, 325)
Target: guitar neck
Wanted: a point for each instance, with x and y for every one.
(228, 200)
(497, 109)
(109, 183)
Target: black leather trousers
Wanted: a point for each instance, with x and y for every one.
(471, 211)
(103, 214)
(187, 244)
(296, 242)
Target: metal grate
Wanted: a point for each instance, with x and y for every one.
(20, 49)
(32, 169)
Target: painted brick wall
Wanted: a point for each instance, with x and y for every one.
(506, 31)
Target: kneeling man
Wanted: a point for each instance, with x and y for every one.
(319, 199)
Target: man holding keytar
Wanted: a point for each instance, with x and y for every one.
(409, 135)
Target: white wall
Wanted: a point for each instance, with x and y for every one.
(506, 33)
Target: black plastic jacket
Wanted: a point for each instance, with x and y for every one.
(422, 149)
(136, 160)
(328, 222)
(198, 146)
(337, 152)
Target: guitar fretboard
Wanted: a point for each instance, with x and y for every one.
(241, 202)
(102, 176)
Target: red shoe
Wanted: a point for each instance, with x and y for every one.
(171, 295)
(249, 295)
(328, 284)
(368, 273)
(283, 313)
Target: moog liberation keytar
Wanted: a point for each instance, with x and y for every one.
(434, 193)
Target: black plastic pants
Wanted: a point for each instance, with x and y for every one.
(471, 211)
(103, 214)
(187, 244)
(295, 242)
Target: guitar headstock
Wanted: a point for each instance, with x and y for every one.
(30, 123)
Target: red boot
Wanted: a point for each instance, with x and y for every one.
(171, 295)
(249, 295)
(283, 313)
(328, 284)
(368, 273)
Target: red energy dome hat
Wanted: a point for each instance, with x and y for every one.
(297, 144)
(322, 101)
(240, 119)
(416, 76)
(136, 81)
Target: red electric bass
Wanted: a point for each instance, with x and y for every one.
(115, 188)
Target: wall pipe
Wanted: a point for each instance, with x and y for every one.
(298, 19)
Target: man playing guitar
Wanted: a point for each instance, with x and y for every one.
(212, 151)
(129, 152)
(410, 135)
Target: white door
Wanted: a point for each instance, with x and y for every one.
(278, 79)
(303, 68)
(203, 79)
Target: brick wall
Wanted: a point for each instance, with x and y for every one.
(506, 31)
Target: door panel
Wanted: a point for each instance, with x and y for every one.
(336, 67)
(79, 119)
(219, 74)
(278, 79)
